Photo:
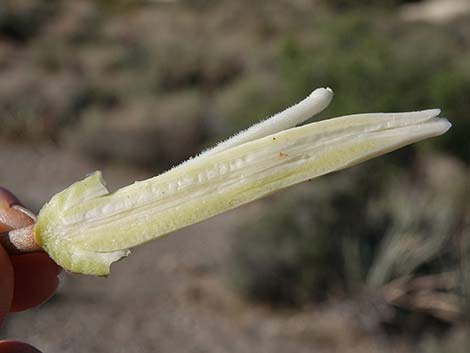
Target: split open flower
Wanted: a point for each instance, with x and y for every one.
(85, 228)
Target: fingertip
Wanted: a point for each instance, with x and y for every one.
(16, 347)
(6, 284)
(36, 280)
(11, 217)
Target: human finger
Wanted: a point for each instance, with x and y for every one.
(16, 347)
(36, 280)
(6, 284)
(11, 217)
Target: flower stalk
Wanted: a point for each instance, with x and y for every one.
(85, 228)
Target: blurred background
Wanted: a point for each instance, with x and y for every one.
(372, 259)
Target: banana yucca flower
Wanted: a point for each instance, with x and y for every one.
(85, 228)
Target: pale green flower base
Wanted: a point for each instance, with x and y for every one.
(85, 228)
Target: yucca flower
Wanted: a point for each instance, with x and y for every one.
(85, 228)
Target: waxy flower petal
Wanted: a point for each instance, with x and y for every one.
(85, 228)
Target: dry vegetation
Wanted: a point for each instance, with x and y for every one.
(375, 259)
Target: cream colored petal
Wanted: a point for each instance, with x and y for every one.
(215, 183)
(317, 101)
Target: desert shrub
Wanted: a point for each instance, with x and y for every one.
(456, 341)
(246, 102)
(354, 4)
(371, 65)
(33, 107)
(447, 91)
(293, 253)
(274, 262)
(147, 131)
(117, 6)
(345, 5)
(195, 67)
(371, 229)
(381, 66)
(199, 5)
(373, 62)
(21, 19)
